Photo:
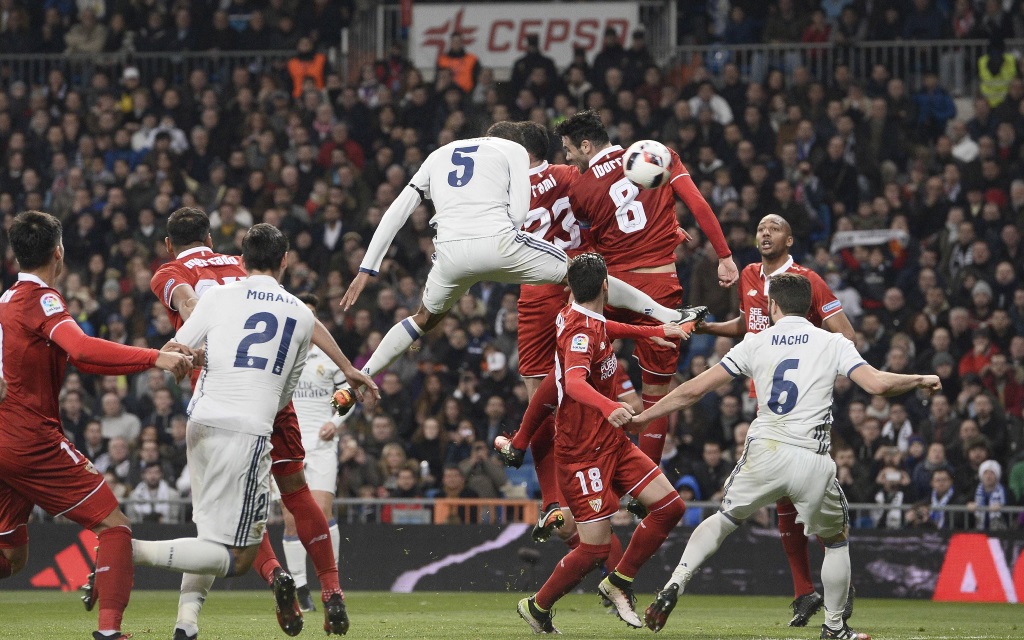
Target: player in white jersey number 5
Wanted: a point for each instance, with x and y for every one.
(256, 336)
(794, 366)
(481, 193)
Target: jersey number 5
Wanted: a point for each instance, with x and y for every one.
(269, 320)
(461, 158)
(782, 386)
(629, 214)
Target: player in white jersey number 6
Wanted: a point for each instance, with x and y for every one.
(481, 192)
(794, 366)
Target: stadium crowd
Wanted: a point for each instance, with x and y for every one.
(912, 211)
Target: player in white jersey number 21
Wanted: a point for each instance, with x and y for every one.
(481, 193)
(794, 366)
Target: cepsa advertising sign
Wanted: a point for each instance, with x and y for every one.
(496, 32)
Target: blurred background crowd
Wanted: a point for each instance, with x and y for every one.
(908, 202)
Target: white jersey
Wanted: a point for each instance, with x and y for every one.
(312, 396)
(794, 367)
(256, 336)
(480, 188)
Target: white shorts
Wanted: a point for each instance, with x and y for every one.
(321, 466)
(770, 470)
(514, 257)
(230, 474)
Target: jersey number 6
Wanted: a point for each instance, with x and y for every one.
(782, 386)
(242, 357)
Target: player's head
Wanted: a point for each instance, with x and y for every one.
(588, 277)
(774, 236)
(791, 295)
(311, 300)
(535, 139)
(186, 228)
(506, 130)
(265, 249)
(583, 136)
(36, 239)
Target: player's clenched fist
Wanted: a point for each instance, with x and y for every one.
(931, 384)
(178, 364)
(621, 416)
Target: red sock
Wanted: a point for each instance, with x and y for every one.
(543, 447)
(652, 439)
(569, 572)
(542, 405)
(115, 575)
(5, 567)
(795, 543)
(662, 517)
(311, 525)
(266, 560)
(614, 553)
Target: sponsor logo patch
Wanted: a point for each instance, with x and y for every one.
(595, 504)
(167, 292)
(752, 292)
(579, 344)
(51, 303)
(835, 304)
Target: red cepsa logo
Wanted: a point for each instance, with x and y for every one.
(975, 570)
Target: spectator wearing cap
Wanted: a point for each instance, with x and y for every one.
(989, 497)
(496, 380)
(890, 496)
(532, 59)
(982, 350)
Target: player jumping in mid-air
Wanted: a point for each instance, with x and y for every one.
(481, 192)
(319, 423)
(637, 231)
(774, 238)
(179, 285)
(794, 366)
(38, 465)
(597, 462)
(256, 337)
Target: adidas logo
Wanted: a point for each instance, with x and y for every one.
(73, 565)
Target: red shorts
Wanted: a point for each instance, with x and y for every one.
(287, 453)
(51, 473)
(538, 307)
(623, 385)
(666, 290)
(592, 489)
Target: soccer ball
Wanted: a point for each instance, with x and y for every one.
(646, 163)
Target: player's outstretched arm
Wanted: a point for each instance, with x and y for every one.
(840, 323)
(654, 333)
(735, 328)
(323, 339)
(885, 383)
(687, 394)
(94, 355)
(687, 191)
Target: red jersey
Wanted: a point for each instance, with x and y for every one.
(199, 268)
(32, 365)
(754, 295)
(635, 228)
(550, 217)
(581, 431)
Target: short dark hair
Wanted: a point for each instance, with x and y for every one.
(535, 139)
(584, 125)
(587, 273)
(309, 298)
(507, 130)
(791, 292)
(263, 247)
(34, 235)
(188, 225)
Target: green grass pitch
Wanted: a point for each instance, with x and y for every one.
(454, 616)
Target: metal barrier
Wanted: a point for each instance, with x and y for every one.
(865, 515)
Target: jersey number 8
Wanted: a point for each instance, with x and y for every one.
(629, 214)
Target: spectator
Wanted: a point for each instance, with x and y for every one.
(93, 444)
(453, 487)
(308, 65)
(463, 65)
(153, 500)
(989, 498)
(116, 421)
(484, 475)
(942, 495)
(86, 36)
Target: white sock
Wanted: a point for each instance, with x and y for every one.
(835, 578)
(194, 589)
(332, 526)
(395, 342)
(703, 544)
(187, 555)
(626, 296)
(295, 558)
